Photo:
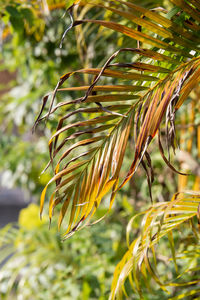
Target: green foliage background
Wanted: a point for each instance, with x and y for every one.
(41, 265)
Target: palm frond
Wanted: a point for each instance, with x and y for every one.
(158, 221)
(157, 82)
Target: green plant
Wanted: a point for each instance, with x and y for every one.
(159, 72)
(40, 266)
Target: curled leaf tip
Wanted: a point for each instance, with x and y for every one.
(69, 28)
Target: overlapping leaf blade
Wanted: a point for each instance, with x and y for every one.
(159, 221)
(157, 81)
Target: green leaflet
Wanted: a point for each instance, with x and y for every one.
(138, 249)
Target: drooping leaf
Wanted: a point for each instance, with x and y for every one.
(157, 81)
(161, 219)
